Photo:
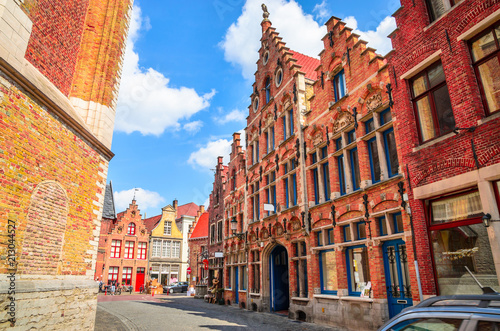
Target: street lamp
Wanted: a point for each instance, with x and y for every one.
(487, 220)
(234, 225)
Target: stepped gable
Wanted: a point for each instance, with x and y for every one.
(308, 64)
(201, 227)
(151, 222)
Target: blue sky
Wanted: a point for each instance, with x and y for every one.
(187, 79)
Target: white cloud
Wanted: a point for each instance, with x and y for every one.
(299, 30)
(206, 156)
(233, 116)
(378, 38)
(321, 11)
(145, 199)
(193, 127)
(147, 103)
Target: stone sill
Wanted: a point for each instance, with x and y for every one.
(242, 291)
(326, 296)
(434, 141)
(300, 299)
(286, 140)
(491, 117)
(349, 298)
(255, 295)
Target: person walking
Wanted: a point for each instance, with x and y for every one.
(113, 287)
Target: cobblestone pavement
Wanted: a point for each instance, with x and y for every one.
(179, 312)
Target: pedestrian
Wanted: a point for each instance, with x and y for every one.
(100, 285)
(113, 287)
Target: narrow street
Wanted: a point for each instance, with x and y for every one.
(179, 312)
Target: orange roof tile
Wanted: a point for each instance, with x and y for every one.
(189, 209)
(151, 222)
(309, 64)
(201, 228)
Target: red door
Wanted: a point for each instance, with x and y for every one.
(139, 279)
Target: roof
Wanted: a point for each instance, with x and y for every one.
(189, 209)
(151, 222)
(201, 228)
(108, 210)
(309, 64)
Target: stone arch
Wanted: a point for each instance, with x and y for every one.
(265, 270)
(41, 252)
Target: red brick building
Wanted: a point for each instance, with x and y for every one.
(445, 77)
(123, 249)
(215, 225)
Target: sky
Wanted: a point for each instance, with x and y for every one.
(187, 79)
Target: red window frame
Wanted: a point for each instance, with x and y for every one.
(496, 185)
(447, 225)
(116, 248)
(127, 276)
(131, 229)
(129, 250)
(141, 250)
(113, 273)
(485, 59)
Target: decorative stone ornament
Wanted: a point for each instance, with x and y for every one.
(374, 102)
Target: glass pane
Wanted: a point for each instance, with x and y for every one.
(438, 7)
(488, 326)
(456, 208)
(370, 126)
(405, 282)
(483, 46)
(341, 174)
(419, 85)
(436, 75)
(362, 230)
(360, 273)
(347, 233)
(329, 271)
(428, 324)
(425, 119)
(383, 226)
(398, 222)
(355, 169)
(386, 117)
(392, 154)
(460, 247)
(443, 110)
(375, 163)
(393, 269)
(489, 73)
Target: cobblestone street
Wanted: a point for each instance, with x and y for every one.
(178, 312)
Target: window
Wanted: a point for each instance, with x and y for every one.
(156, 248)
(242, 284)
(347, 233)
(212, 233)
(459, 240)
(266, 57)
(127, 276)
(369, 126)
(436, 8)
(233, 180)
(301, 268)
(432, 103)
(219, 231)
(351, 136)
(485, 50)
(131, 229)
(166, 247)
(338, 144)
(269, 135)
(290, 183)
(129, 250)
(167, 230)
(321, 175)
(391, 153)
(339, 85)
(267, 87)
(255, 152)
(116, 246)
(385, 116)
(397, 221)
(358, 271)
(382, 226)
(430, 324)
(255, 104)
(356, 179)
(279, 77)
(141, 250)
(319, 238)
(176, 249)
(328, 271)
(288, 124)
(342, 182)
(271, 191)
(113, 274)
(330, 236)
(255, 199)
(361, 230)
(374, 160)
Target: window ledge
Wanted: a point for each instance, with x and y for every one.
(253, 166)
(442, 16)
(269, 217)
(255, 295)
(433, 142)
(300, 299)
(242, 291)
(489, 118)
(326, 296)
(288, 209)
(287, 140)
(268, 154)
(321, 204)
(227, 289)
(352, 298)
(339, 101)
(398, 176)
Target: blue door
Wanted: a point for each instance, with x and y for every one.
(397, 277)
(278, 268)
(236, 289)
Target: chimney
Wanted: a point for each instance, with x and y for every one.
(219, 160)
(175, 204)
(202, 209)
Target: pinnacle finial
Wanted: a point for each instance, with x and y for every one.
(266, 13)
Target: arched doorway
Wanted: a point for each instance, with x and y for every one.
(278, 280)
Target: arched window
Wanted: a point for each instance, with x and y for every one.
(131, 229)
(268, 89)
